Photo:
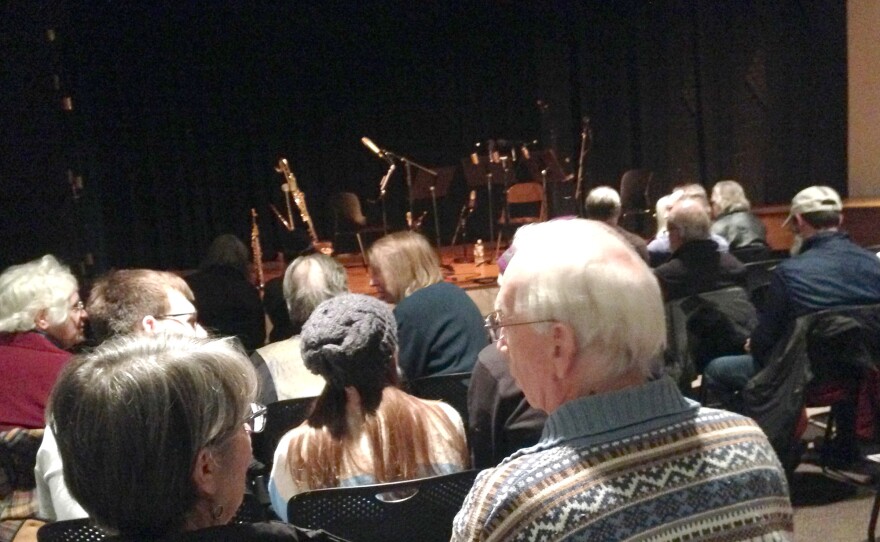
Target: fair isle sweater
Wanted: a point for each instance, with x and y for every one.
(643, 463)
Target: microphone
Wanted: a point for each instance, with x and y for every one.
(368, 143)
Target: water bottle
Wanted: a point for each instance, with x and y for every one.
(479, 254)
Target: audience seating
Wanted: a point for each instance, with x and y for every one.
(758, 279)
(703, 327)
(526, 204)
(420, 509)
(73, 530)
(281, 417)
(451, 388)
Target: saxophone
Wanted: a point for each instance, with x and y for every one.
(291, 190)
(257, 250)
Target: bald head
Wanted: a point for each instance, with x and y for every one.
(688, 221)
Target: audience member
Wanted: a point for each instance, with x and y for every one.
(603, 204)
(658, 249)
(227, 301)
(362, 429)
(827, 271)
(583, 329)
(275, 307)
(500, 419)
(308, 281)
(695, 266)
(154, 433)
(122, 302)
(41, 318)
(733, 217)
(439, 326)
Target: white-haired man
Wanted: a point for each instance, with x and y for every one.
(603, 204)
(623, 454)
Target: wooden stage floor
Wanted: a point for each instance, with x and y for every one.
(479, 282)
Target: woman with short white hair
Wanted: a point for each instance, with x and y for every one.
(41, 317)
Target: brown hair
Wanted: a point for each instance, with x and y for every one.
(398, 433)
(122, 298)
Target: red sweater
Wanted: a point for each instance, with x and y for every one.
(29, 366)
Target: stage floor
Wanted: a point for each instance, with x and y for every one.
(480, 282)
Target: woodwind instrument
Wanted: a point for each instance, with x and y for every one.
(257, 250)
(291, 190)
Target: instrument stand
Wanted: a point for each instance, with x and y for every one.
(461, 227)
(506, 209)
(383, 185)
(433, 185)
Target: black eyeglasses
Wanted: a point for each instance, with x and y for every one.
(494, 323)
(192, 318)
(256, 420)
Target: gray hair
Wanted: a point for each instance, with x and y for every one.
(309, 281)
(227, 250)
(691, 220)
(728, 196)
(29, 288)
(603, 204)
(602, 289)
(131, 417)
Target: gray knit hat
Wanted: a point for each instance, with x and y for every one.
(349, 337)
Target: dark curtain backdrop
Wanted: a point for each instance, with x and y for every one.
(183, 109)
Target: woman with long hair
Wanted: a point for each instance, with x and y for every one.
(362, 429)
(439, 327)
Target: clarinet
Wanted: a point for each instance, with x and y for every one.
(257, 250)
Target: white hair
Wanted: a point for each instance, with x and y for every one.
(308, 282)
(29, 288)
(599, 287)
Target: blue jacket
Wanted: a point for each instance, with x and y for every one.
(830, 272)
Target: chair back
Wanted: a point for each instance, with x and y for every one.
(281, 417)
(525, 199)
(73, 530)
(704, 326)
(451, 388)
(420, 509)
(758, 279)
(347, 206)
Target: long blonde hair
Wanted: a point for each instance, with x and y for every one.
(399, 436)
(406, 262)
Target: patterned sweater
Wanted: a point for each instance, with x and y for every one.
(642, 463)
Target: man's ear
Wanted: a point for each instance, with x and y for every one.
(564, 352)
(149, 324)
(205, 474)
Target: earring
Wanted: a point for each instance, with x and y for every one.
(216, 512)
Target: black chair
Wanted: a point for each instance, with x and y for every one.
(703, 327)
(752, 253)
(281, 417)
(420, 509)
(451, 388)
(758, 279)
(636, 211)
(74, 530)
(349, 220)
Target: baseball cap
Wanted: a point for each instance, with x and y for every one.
(813, 199)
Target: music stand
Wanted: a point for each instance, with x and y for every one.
(425, 185)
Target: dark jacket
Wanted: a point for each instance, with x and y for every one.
(831, 271)
(741, 229)
(825, 344)
(698, 267)
(229, 304)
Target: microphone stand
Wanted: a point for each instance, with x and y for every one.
(461, 227)
(409, 164)
(383, 184)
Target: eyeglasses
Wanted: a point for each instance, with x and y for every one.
(192, 318)
(493, 324)
(79, 306)
(256, 420)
